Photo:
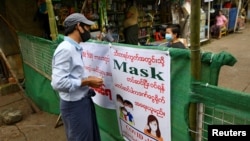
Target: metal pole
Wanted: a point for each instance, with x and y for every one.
(237, 15)
(195, 57)
(208, 20)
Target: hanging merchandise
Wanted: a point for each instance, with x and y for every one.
(103, 14)
(175, 9)
(212, 8)
(186, 9)
(157, 4)
(90, 10)
(204, 21)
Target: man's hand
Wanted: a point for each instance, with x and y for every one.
(94, 81)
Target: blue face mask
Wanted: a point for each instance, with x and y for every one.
(168, 37)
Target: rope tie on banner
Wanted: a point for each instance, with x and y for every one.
(207, 84)
(195, 50)
(190, 130)
(211, 59)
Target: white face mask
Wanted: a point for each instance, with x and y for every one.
(124, 112)
(129, 109)
(119, 104)
(153, 126)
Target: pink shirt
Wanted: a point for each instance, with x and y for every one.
(221, 20)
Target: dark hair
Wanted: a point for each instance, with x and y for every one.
(128, 103)
(176, 29)
(217, 13)
(150, 119)
(118, 96)
(83, 24)
(68, 30)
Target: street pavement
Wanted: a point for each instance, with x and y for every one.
(235, 77)
(40, 126)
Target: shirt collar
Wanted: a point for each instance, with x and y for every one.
(78, 47)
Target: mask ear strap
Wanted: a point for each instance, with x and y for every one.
(78, 25)
(84, 29)
(82, 26)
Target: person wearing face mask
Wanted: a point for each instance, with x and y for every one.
(76, 105)
(172, 37)
(119, 104)
(129, 107)
(152, 128)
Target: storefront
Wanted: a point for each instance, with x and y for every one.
(154, 16)
(231, 9)
(204, 20)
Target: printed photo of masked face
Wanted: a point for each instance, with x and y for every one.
(124, 114)
(129, 107)
(119, 101)
(152, 128)
(124, 111)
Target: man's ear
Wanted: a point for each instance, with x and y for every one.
(79, 27)
(175, 35)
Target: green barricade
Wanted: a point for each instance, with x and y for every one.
(37, 54)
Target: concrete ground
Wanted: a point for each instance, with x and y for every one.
(40, 126)
(235, 77)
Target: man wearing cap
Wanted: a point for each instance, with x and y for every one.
(76, 106)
